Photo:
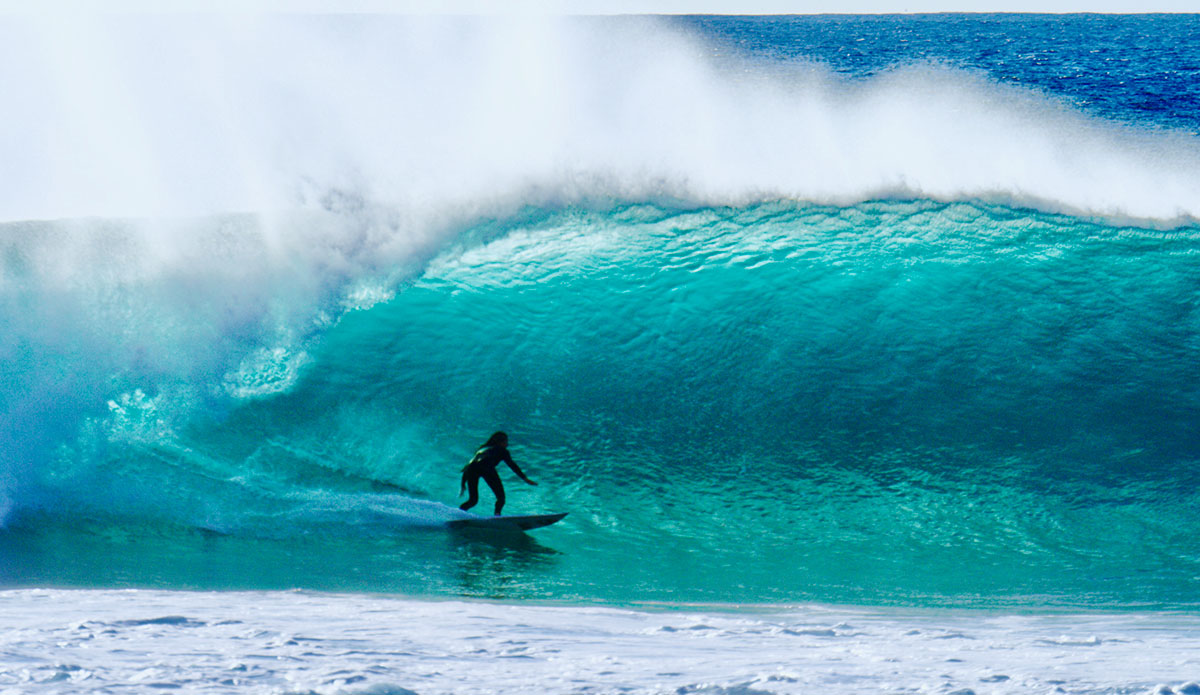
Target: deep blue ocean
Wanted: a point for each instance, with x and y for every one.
(849, 309)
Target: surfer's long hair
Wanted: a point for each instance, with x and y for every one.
(499, 439)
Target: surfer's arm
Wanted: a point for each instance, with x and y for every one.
(516, 469)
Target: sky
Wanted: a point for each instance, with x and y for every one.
(602, 6)
(820, 6)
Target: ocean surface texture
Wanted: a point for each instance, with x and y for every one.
(897, 313)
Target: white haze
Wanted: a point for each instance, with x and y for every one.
(152, 115)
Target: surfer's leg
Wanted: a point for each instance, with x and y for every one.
(493, 481)
(472, 491)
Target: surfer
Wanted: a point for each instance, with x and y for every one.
(483, 465)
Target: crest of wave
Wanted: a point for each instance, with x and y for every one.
(144, 115)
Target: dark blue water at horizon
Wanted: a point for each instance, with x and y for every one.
(1137, 69)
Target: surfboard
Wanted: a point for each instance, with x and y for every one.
(507, 523)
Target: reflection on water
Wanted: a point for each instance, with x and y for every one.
(470, 562)
(498, 564)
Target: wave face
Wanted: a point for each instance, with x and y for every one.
(903, 368)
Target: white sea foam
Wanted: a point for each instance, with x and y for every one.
(144, 641)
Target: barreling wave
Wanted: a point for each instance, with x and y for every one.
(778, 335)
(894, 399)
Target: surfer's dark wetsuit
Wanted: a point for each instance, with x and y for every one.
(483, 465)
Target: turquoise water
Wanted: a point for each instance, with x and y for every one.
(898, 401)
(929, 336)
